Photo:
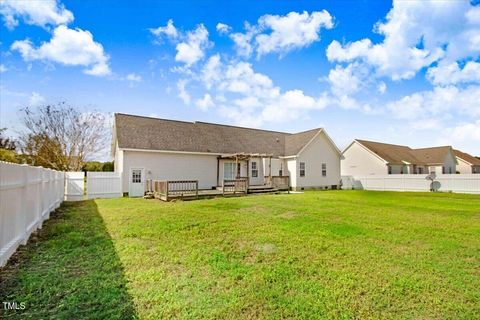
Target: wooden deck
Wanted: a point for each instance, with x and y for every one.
(188, 189)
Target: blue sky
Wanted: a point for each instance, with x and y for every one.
(405, 72)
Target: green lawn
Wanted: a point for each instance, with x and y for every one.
(325, 255)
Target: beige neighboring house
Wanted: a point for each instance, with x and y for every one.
(466, 162)
(363, 158)
(150, 148)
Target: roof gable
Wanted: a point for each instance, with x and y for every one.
(391, 153)
(398, 154)
(137, 132)
(435, 155)
(467, 157)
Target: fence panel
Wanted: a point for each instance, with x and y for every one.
(27, 196)
(75, 185)
(104, 185)
(460, 183)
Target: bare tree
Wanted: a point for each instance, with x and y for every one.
(61, 137)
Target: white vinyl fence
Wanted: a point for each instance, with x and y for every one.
(75, 186)
(27, 196)
(459, 183)
(104, 185)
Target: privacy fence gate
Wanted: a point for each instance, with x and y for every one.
(29, 194)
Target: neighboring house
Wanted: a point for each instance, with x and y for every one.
(363, 158)
(150, 148)
(467, 163)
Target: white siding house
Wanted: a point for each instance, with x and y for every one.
(148, 148)
(364, 158)
(358, 160)
(467, 163)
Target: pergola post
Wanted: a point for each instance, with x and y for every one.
(270, 171)
(236, 167)
(248, 173)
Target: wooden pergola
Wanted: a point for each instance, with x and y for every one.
(242, 156)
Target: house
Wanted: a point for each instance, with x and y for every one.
(149, 148)
(466, 163)
(364, 157)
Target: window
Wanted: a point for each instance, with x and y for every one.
(280, 172)
(302, 169)
(136, 176)
(450, 170)
(324, 169)
(401, 169)
(389, 169)
(254, 169)
(443, 170)
(432, 170)
(420, 170)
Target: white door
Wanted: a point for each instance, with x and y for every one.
(229, 170)
(136, 185)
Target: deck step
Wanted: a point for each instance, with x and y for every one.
(263, 190)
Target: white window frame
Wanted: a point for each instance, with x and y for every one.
(254, 169)
(134, 177)
(302, 169)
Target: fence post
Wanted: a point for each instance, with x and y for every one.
(196, 189)
(166, 190)
(24, 204)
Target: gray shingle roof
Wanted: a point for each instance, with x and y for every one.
(137, 132)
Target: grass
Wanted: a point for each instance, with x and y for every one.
(318, 255)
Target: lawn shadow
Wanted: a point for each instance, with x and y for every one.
(68, 270)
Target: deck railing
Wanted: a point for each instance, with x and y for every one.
(235, 186)
(168, 189)
(278, 182)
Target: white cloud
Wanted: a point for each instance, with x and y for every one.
(466, 131)
(464, 136)
(452, 74)
(3, 68)
(193, 49)
(438, 102)
(243, 41)
(381, 87)
(248, 97)
(71, 47)
(343, 81)
(425, 124)
(36, 99)
(41, 13)
(169, 30)
(223, 28)
(205, 103)
(133, 77)
(182, 91)
(211, 71)
(281, 34)
(190, 46)
(292, 31)
(416, 34)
